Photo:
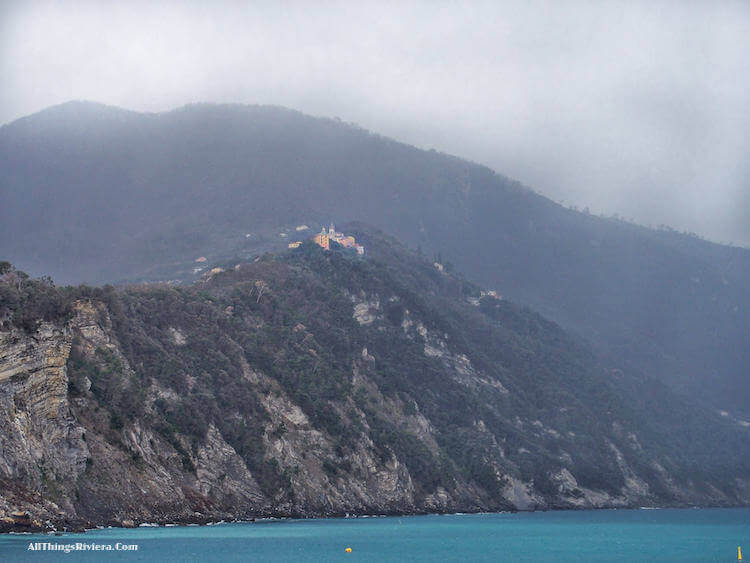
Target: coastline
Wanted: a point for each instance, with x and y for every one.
(68, 525)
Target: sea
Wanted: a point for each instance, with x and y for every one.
(588, 535)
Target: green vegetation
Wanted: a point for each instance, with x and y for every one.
(26, 302)
(506, 393)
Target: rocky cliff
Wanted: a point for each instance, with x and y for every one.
(319, 383)
(42, 444)
(63, 464)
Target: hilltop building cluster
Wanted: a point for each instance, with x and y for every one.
(324, 238)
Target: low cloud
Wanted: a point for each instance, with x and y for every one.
(635, 108)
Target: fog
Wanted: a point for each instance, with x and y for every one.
(632, 108)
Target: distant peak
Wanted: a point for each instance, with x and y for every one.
(73, 111)
(88, 106)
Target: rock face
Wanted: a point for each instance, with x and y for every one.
(42, 443)
(61, 465)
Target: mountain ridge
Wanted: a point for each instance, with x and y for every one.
(143, 195)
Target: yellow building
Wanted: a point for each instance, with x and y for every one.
(322, 239)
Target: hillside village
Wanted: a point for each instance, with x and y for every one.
(324, 238)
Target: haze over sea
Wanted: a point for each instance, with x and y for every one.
(611, 535)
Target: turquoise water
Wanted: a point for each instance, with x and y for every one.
(598, 535)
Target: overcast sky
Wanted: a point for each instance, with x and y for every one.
(635, 108)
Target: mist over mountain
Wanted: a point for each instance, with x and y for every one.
(100, 194)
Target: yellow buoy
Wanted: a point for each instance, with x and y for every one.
(349, 550)
(739, 553)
